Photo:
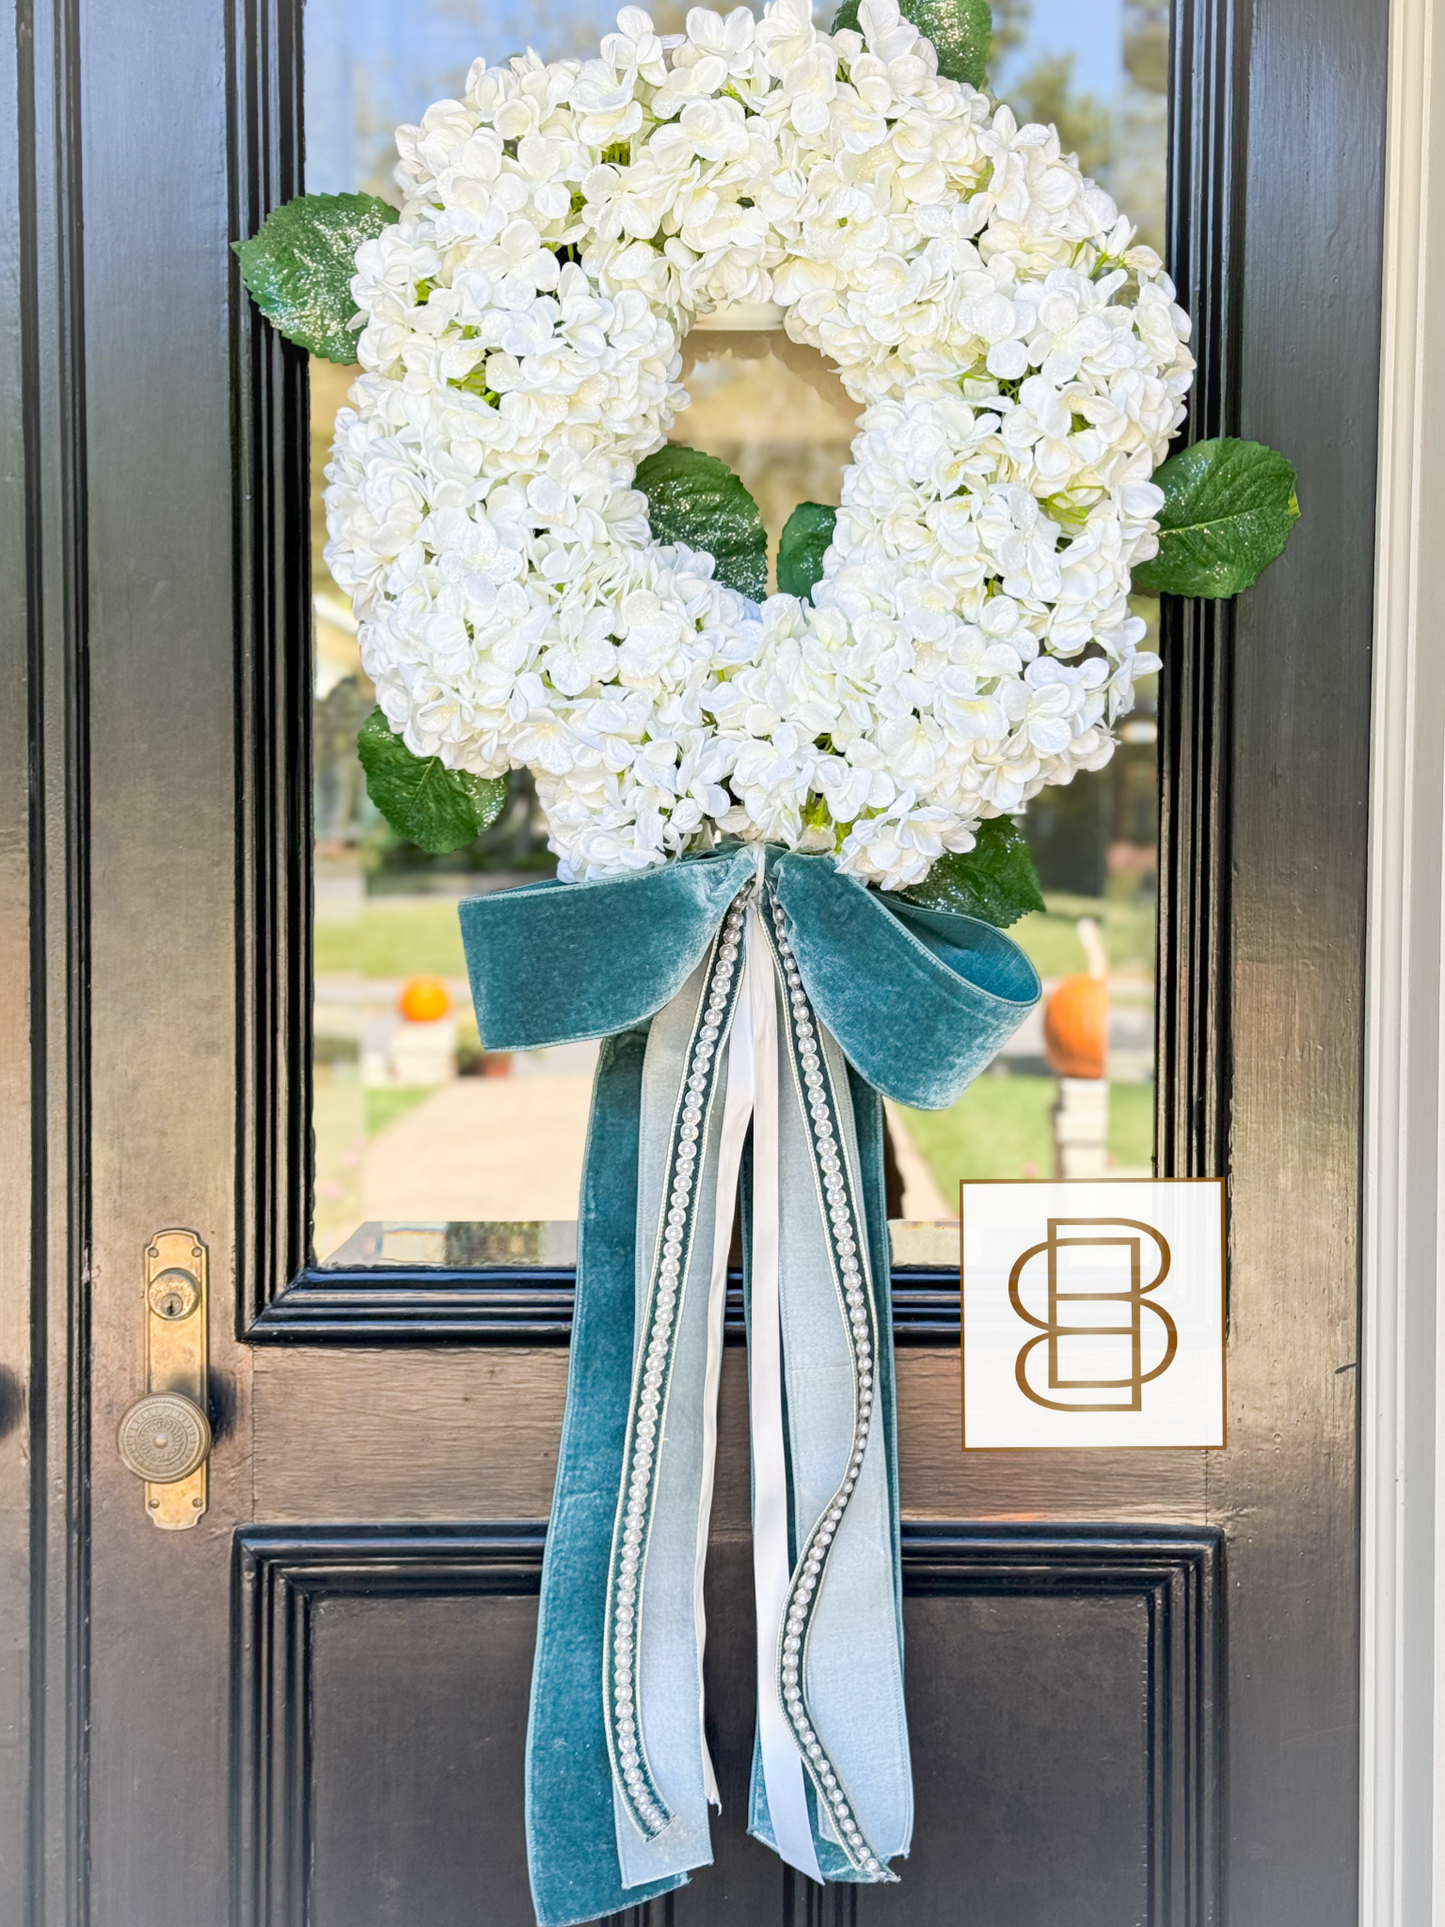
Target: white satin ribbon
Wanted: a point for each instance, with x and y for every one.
(782, 1766)
(752, 1094)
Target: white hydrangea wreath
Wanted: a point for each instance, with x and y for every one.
(1022, 366)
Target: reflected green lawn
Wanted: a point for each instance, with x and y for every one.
(338, 1119)
(400, 937)
(410, 936)
(1052, 942)
(387, 1102)
(1000, 1128)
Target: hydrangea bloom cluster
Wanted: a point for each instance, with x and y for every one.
(1021, 365)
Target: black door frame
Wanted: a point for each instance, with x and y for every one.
(1278, 141)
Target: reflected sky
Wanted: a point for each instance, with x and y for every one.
(1091, 30)
(371, 64)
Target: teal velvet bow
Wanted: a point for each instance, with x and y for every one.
(921, 1000)
(917, 1002)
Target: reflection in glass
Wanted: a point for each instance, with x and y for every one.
(512, 1243)
(1100, 73)
(429, 1149)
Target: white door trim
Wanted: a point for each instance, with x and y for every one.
(1402, 1834)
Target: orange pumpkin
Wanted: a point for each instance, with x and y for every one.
(1076, 1027)
(424, 999)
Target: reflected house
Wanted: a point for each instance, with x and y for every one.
(342, 704)
(774, 411)
(1099, 835)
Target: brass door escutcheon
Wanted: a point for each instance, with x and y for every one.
(165, 1437)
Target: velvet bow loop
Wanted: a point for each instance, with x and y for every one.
(920, 1000)
(553, 963)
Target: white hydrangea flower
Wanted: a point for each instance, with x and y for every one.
(1021, 363)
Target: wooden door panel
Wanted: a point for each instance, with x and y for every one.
(417, 1717)
(1054, 1682)
(1062, 1689)
(472, 1433)
(381, 1706)
(939, 1480)
(410, 1434)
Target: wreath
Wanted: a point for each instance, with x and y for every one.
(541, 581)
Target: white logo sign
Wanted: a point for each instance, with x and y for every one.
(1093, 1313)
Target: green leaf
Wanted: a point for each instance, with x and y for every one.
(961, 32)
(299, 265)
(995, 880)
(1228, 510)
(437, 808)
(802, 546)
(696, 499)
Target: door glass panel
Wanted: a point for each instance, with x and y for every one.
(429, 1148)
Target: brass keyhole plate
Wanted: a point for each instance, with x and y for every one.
(165, 1438)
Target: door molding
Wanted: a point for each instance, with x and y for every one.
(1402, 1862)
(521, 1305)
(1208, 51)
(284, 1575)
(45, 966)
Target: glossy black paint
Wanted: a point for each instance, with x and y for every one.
(523, 1305)
(153, 1051)
(381, 1679)
(45, 1499)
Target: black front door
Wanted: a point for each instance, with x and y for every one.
(1132, 1675)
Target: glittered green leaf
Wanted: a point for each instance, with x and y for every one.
(696, 499)
(1228, 510)
(299, 264)
(961, 32)
(802, 546)
(995, 880)
(437, 808)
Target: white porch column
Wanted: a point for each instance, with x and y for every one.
(1403, 1356)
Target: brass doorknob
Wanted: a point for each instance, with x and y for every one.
(164, 1437)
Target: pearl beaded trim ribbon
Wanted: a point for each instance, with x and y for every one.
(651, 1383)
(734, 1050)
